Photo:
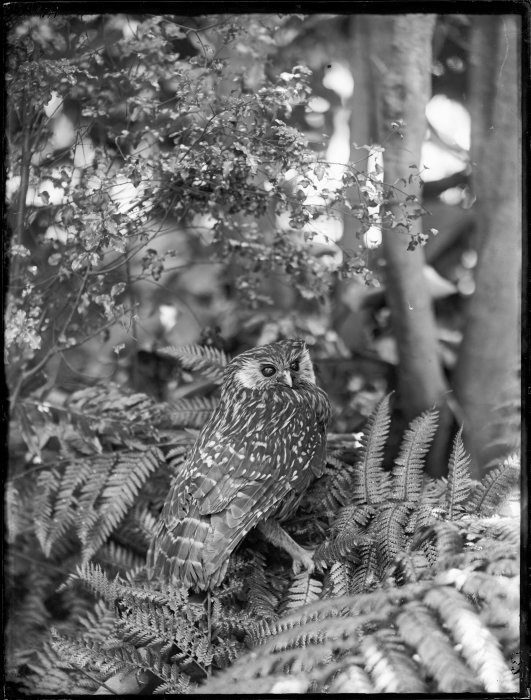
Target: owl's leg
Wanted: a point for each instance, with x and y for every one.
(274, 533)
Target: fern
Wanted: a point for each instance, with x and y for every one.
(389, 529)
(388, 661)
(495, 488)
(207, 360)
(365, 575)
(369, 478)
(123, 483)
(421, 630)
(479, 646)
(192, 412)
(303, 590)
(262, 599)
(408, 471)
(458, 476)
(47, 484)
(415, 587)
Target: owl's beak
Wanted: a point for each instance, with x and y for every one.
(285, 378)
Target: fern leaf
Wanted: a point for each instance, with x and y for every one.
(478, 645)
(121, 559)
(179, 685)
(408, 471)
(389, 532)
(337, 581)
(494, 488)
(333, 489)
(352, 680)
(441, 542)
(458, 476)
(369, 478)
(65, 514)
(207, 360)
(420, 630)
(389, 663)
(262, 601)
(98, 623)
(18, 519)
(364, 577)
(478, 584)
(303, 590)
(47, 484)
(124, 481)
(192, 412)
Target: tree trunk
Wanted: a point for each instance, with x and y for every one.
(489, 359)
(400, 50)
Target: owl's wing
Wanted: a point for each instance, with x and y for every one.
(234, 478)
(212, 508)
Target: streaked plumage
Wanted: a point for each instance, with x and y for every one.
(252, 461)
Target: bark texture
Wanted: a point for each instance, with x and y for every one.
(489, 356)
(400, 50)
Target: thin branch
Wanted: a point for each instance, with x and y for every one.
(51, 351)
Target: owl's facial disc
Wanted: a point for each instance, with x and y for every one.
(282, 364)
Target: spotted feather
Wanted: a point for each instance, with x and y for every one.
(253, 460)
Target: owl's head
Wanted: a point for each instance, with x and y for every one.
(285, 363)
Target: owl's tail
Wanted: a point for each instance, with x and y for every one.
(176, 554)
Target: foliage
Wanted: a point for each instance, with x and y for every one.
(411, 554)
(123, 129)
(142, 148)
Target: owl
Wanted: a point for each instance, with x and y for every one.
(250, 466)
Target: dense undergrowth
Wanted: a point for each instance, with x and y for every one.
(416, 585)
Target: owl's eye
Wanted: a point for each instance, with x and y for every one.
(268, 370)
(295, 366)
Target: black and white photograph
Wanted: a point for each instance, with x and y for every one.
(264, 284)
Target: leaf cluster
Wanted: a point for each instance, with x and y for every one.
(415, 587)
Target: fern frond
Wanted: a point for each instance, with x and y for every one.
(65, 515)
(51, 675)
(420, 630)
(98, 623)
(458, 487)
(18, 518)
(407, 474)
(207, 360)
(487, 587)
(390, 665)
(192, 412)
(365, 574)
(333, 489)
(84, 653)
(506, 529)
(352, 680)
(495, 488)
(303, 590)
(137, 529)
(262, 601)
(337, 580)
(181, 684)
(121, 559)
(369, 477)
(128, 474)
(478, 645)
(389, 532)
(441, 542)
(348, 531)
(92, 654)
(92, 577)
(47, 484)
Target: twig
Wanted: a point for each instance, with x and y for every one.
(51, 351)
